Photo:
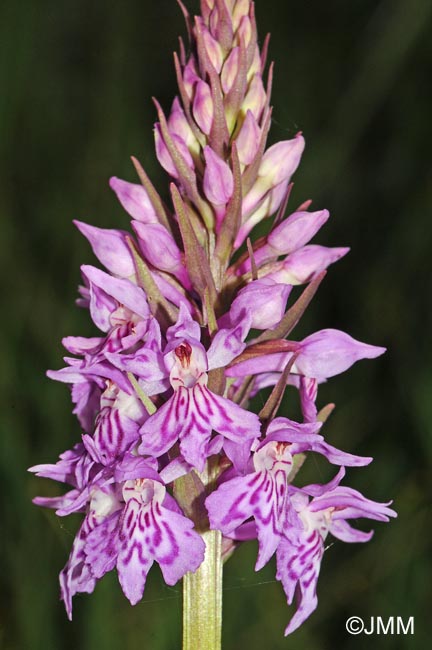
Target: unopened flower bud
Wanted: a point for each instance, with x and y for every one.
(213, 20)
(248, 139)
(213, 49)
(218, 183)
(330, 352)
(256, 97)
(281, 160)
(302, 265)
(295, 231)
(164, 156)
(258, 205)
(277, 195)
(207, 9)
(134, 199)
(256, 65)
(190, 77)
(244, 32)
(259, 212)
(110, 247)
(266, 301)
(160, 249)
(179, 126)
(241, 10)
(157, 245)
(230, 69)
(203, 107)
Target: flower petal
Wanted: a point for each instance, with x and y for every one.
(298, 569)
(176, 546)
(228, 418)
(76, 577)
(134, 560)
(163, 428)
(110, 247)
(260, 495)
(134, 199)
(102, 546)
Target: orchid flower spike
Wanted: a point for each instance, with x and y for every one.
(192, 313)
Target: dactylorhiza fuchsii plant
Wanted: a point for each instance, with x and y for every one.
(172, 466)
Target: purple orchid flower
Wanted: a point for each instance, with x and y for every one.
(77, 468)
(91, 375)
(321, 355)
(129, 525)
(290, 235)
(304, 437)
(194, 411)
(116, 427)
(300, 553)
(263, 493)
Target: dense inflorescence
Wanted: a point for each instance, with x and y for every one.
(194, 323)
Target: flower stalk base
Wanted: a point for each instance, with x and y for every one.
(202, 599)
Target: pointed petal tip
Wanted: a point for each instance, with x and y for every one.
(85, 228)
(67, 605)
(374, 351)
(93, 273)
(133, 599)
(114, 183)
(259, 564)
(117, 184)
(34, 469)
(338, 252)
(290, 628)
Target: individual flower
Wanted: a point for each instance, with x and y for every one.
(320, 356)
(262, 494)
(130, 524)
(193, 411)
(300, 553)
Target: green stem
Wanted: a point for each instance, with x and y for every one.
(202, 590)
(202, 599)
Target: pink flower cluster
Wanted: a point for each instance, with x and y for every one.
(193, 322)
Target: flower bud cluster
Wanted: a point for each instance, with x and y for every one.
(194, 319)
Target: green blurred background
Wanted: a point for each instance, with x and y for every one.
(76, 78)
